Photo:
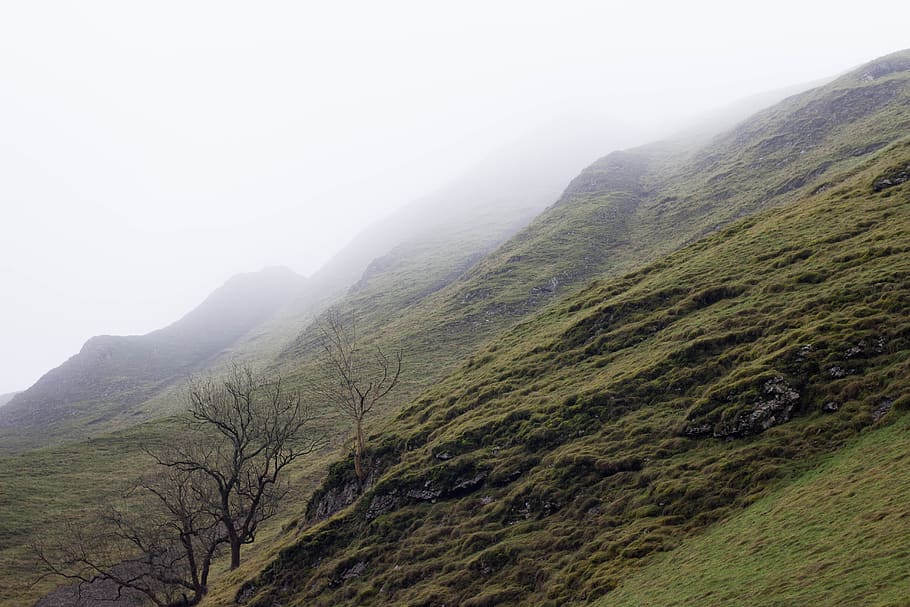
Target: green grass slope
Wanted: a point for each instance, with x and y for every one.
(40, 489)
(632, 415)
(837, 535)
(430, 294)
(635, 206)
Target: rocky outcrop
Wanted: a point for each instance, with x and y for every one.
(774, 406)
(442, 482)
(892, 178)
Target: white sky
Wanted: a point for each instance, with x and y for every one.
(149, 150)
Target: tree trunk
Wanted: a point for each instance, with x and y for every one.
(358, 453)
(235, 553)
(235, 543)
(186, 601)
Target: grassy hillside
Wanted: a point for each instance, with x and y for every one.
(633, 207)
(837, 535)
(40, 489)
(632, 415)
(118, 381)
(512, 438)
(426, 245)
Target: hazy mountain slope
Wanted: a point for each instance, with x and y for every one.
(634, 206)
(631, 415)
(501, 193)
(639, 204)
(433, 242)
(417, 250)
(426, 245)
(101, 385)
(838, 535)
(5, 398)
(440, 325)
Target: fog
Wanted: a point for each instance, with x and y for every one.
(148, 151)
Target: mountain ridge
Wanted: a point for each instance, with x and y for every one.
(112, 374)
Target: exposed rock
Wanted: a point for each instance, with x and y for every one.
(383, 503)
(335, 500)
(830, 407)
(442, 486)
(837, 371)
(775, 408)
(424, 495)
(546, 288)
(476, 295)
(354, 571)
(879, 345)
(696, 430)
(859, 348)
(338, 498)
(882, 409)
(469, 484)
(892, 178)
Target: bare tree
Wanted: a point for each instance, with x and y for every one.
(217, 482)
(354, 380)
(243, 431)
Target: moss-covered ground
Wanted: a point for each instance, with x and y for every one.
(837, 535)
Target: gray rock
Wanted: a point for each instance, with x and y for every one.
(775, 408)
(882, 409)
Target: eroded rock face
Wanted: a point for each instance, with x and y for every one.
(892, 178)
(460, 483)
(338, 497)
(776, 407)
(335, 500)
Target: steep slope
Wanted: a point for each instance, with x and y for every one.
(438, 324)
(499, 195)
(630, 416)
(100, 387)
(640, 204)
(424, 246)
(5, 398)
(634, 206)
(837, 535)
(118, 381)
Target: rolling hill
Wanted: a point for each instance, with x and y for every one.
(118, 381)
